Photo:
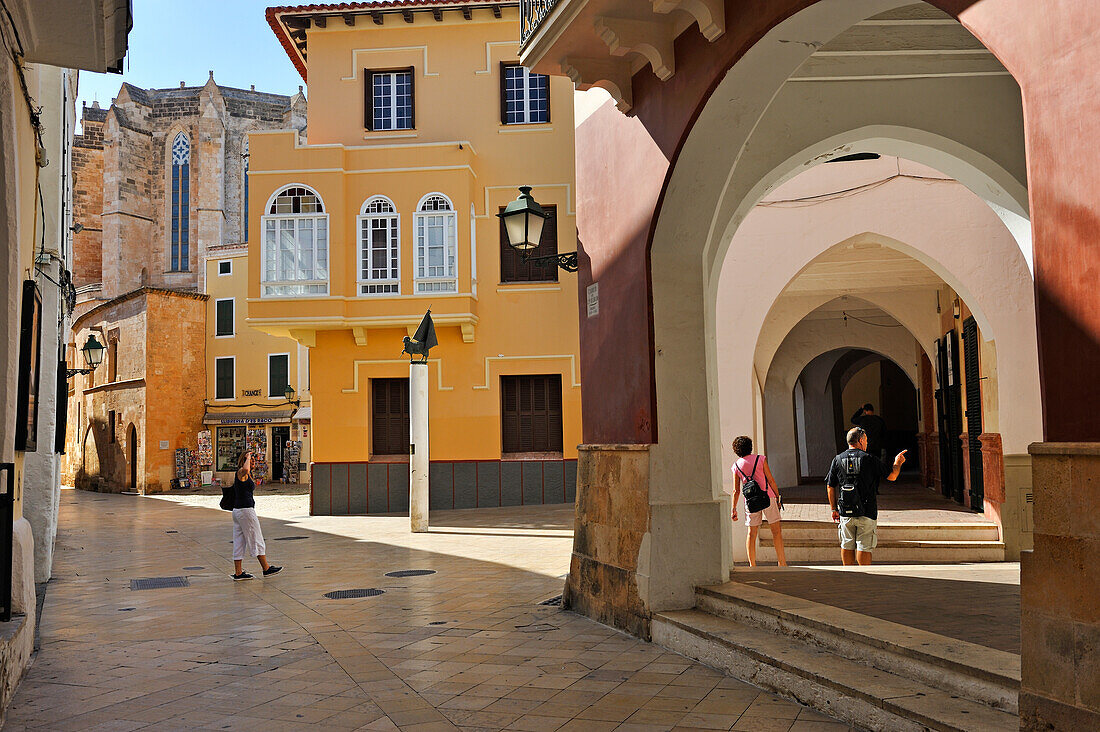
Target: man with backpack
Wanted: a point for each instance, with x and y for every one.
(853, 484)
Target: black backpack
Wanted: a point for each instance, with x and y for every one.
(756, 498)
(849, 504)
(229, 497)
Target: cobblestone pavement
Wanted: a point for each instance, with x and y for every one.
(468, 647)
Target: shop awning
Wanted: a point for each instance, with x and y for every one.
(260, 416)
(304, 414)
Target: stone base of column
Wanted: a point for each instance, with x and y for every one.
(612, 518)
(1060, 628)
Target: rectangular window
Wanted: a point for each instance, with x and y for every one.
(389, 100)
(524, 97)
(113, 357)
(111, 426)
(278, 374)
(231, 443)
(512, 266)
(295, 256)
(225, 267)
(224, 376)
(390, 416)
(223, 317)
(530, 413)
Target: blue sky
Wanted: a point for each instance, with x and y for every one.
(182, 40)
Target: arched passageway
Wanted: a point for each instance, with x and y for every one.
(788, 85)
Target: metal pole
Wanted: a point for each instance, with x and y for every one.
(418, 446)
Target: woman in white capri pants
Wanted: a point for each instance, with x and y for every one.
(248, 540)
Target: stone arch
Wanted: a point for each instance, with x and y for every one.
(753, 132)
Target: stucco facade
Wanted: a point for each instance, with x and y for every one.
(458, 156)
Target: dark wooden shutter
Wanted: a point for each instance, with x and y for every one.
(504, 92)
(512, 266)
(390, 416)
(278, 375)
(223, 317)
(531, 419)
(223, 378)
(972, 365)
(368, 99)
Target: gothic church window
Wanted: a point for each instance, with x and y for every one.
(181, 202)
(436, 245)
(295, 244)
(379, 244)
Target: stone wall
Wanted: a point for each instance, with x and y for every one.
(1060, 686)
(612, 521)
(88, 199)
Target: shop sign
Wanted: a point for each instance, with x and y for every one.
(252, 392)
(245, 420)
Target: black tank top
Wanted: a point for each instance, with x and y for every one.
(242, 490)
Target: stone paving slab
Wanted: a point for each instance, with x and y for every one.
(468, 647)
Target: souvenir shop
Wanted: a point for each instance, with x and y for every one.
(275, 438)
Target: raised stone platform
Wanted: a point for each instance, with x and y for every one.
(870, 672)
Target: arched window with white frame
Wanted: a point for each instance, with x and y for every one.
(379, 248)
(295, 244)
(180, 234)
(436, 245)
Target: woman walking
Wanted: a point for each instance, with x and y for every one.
(247, 537)
(750, 466)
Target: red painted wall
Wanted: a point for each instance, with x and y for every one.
(623, 164)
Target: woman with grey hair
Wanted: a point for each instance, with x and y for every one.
(248, 540)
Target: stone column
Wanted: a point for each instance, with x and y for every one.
(1060, 686)
(418, 444)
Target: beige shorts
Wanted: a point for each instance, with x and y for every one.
(770, 514)
(858, 532)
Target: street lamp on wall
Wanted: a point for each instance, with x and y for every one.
(93, 356)
(289, 393)
(523, 222)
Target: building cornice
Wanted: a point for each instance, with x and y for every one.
(133, 294)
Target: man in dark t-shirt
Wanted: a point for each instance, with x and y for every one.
(873, 425)
(858, 537)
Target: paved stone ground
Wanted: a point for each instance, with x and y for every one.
(979, 603)
(468, 647)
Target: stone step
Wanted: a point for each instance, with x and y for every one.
(900, 532)
(842, 688)
(977, 672)
(811, 551)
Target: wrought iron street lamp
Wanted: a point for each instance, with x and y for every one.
(289, 393)
(93, 356)
(523, 222)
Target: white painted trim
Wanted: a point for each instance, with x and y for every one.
(283, 187)
(226, 261)
(375, 362)
(223, 358)
(409, 169)
(356, 66)
(517, 127)
(220, 300)
(506, 287)
(384, 134)
(452, 216)
(267, 386)
(572, 367)
(473, 250)
(489, 54)
(570, 205)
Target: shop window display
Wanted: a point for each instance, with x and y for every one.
(231, 443)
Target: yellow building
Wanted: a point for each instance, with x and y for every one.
(422, 127)
(247, 373)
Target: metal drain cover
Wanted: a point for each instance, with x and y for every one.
(555, 601)
(158, 583)
(410, 573)
(194, 568)
(289, 538)
(349, 594)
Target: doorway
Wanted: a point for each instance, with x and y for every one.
(132, 439)
(279, 438)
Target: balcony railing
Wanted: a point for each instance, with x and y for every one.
(531, 15)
